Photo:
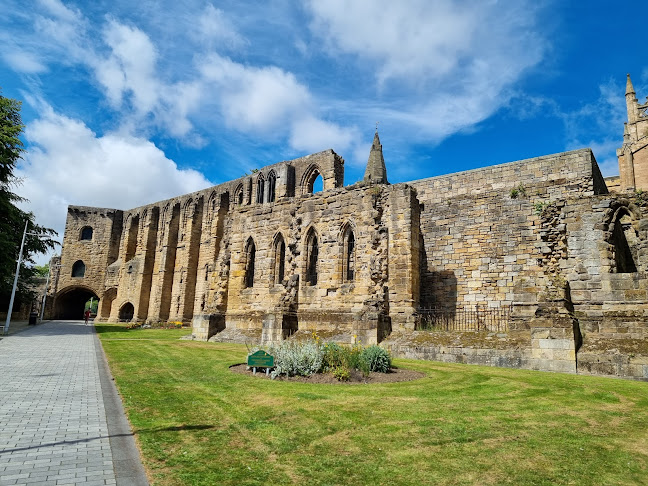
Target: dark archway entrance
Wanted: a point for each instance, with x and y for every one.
(126, 312)
(70, 303)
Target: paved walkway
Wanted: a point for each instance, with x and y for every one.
(61, 420)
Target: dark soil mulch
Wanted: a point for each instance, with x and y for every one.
(357, 378)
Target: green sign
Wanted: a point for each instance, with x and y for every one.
(260, 359)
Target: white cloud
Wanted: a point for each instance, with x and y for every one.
(215, 28)
(59, 10)
(414, 38)
(130, 67)
(62, 34)
(23, 61)
(311, 134)
(462, 57)
(69, 164)
(253, 98)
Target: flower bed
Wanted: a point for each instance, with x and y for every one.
(310, 357)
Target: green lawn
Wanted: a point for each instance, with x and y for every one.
(198, 423)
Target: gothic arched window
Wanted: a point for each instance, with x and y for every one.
(623, 257)
(272, 184)
(78, 269)
(238, 195)
(279, 259)
(312, 256)
(312, 181)
(250, 255)
(348, 258)
(260, 189)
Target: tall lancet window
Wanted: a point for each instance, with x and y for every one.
(260, 189)
(272, 184)
(312, 256)
(250, 255)
(349, 261)
(238, 194)
(280, 259)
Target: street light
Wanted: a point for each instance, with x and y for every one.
(45, 293)
(15, 284)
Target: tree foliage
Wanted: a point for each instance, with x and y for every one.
(12, 218)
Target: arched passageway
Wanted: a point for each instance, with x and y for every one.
(126, 312)
(70, 303)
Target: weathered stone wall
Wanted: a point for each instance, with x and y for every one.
(96, 252)
(609, 293)
(574, 172)
(380, 218)
(482, 229)
(539, 237)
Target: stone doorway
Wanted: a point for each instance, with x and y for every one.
(70, 303)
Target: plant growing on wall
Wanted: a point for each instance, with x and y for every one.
(518, 191)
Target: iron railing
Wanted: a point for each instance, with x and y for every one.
(479, 319)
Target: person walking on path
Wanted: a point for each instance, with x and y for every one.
(86, 314)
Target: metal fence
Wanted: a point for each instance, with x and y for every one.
(478, 319)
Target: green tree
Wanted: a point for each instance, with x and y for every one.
(12, 218)
(41, 270)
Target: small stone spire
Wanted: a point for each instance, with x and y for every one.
(376, 172)
(631, 102)
(629, 87)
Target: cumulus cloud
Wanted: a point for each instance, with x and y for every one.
(252, 98)
(67, 163)
(270, 102)
(310, 134)
(130, 67)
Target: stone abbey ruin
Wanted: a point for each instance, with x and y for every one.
(539, 264)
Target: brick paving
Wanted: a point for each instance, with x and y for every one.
(61, 421)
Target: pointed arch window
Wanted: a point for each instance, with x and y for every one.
(238, 195)
(272, 185)
(348, 256)
(312, 257)
(260, 189)
(312, 181)
(622, 228)
(78, 269)
(250, 255)
(211, 208)
(279, 259)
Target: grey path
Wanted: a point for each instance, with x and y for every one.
(61, 421)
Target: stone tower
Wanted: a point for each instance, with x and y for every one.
(633, 155)
(376, 172)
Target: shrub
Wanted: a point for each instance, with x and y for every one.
(376, 358)
(296, 358)
(341, 373)
(334, 356)
(354, 358)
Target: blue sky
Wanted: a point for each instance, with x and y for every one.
(126, 103)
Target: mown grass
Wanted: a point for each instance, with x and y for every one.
(198, 423)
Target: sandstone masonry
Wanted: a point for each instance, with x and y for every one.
(531, 264)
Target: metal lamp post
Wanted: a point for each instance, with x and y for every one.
(15, 283)
(45, 293)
